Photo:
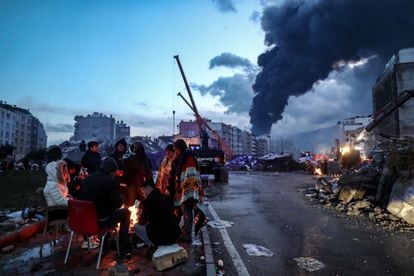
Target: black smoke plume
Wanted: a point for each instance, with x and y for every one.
(308, 38)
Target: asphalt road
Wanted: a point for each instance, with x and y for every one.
(271, 210)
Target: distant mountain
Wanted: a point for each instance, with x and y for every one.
(317, 141)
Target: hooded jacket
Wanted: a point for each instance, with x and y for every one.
(56, 191)
(119, 155)
(103, 189)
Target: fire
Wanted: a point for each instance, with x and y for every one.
(134, 214)
(318, 171)
(345, 150)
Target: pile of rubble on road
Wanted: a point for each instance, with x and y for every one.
(382, 190)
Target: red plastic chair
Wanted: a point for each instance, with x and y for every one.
(83, 220)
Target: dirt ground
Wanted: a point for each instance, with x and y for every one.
(18, 189)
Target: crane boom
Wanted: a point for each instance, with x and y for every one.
(202, 124)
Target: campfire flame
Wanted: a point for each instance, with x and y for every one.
(317, 171)
(134, 214)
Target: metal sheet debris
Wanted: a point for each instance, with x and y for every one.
(257, 250)
(310, 264)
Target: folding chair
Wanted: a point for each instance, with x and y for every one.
(55, 216)
(83, 220)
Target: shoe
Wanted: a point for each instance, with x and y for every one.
(92, 244)
(141, 245)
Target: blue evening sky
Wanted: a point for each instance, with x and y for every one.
(65, 58)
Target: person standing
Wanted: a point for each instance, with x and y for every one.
(119, 152)
(165, 170)
(157, 224)
(188, 191)
(91, 160)
(137, 170)
(102, 189)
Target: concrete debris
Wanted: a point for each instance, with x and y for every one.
(257, 250)
(309, 264)
(168, 256)
(401, 202)
(381, 190)
(220, 224)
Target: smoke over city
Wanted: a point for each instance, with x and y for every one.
(309, 40)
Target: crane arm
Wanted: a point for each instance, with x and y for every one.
(202, 124)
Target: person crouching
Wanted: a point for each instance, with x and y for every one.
(157, 224)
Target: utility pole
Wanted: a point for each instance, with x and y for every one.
(173, 123)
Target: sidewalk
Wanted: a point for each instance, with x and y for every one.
(25, 259)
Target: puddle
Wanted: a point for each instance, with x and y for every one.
(33, 253)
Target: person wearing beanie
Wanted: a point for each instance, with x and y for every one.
(137, 170)
(102, 189)
(91, 160)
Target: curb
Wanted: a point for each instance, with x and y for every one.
(208, 253)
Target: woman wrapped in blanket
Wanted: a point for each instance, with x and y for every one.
(188, 194)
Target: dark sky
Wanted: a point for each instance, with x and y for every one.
(313, 41)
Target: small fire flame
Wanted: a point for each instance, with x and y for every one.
(318, 171)
(134, 215)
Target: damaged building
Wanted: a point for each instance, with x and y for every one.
(383, 187)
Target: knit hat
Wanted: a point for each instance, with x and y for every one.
(108, 165)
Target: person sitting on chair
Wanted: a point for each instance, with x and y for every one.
(102, 189)
(56, 191)
(157, 224)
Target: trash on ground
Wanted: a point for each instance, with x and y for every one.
(310, 264)
(197, 242)
(220, 224)
(257, 250)
(220, 263)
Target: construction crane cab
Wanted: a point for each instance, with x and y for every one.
(211, 161)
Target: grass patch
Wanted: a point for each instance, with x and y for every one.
(18, 189)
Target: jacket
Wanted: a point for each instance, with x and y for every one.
(91, 161)
(56, 191)
(157, 213)
(103, 190)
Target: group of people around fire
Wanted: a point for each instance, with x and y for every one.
(114, 183)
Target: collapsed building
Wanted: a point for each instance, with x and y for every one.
(387, 182)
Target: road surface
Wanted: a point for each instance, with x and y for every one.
(271, 210)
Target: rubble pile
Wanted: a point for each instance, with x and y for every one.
(243, 163)
(382, 190)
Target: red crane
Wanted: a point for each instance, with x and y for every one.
(202, 124)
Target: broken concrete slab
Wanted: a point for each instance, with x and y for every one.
(168, 256)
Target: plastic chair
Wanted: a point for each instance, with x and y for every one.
(55, 216)
(83, 220)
